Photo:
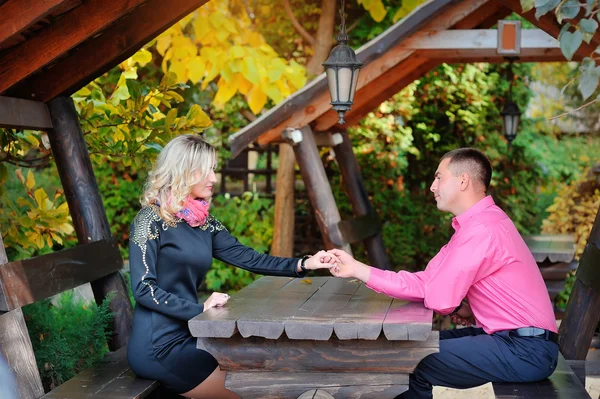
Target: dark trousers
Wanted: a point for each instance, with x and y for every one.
(469, 357)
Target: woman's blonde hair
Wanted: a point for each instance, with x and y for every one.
(185, 161)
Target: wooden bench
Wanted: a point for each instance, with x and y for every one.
(27, 281)
(563, 383)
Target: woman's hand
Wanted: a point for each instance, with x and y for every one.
(320, 260)
(216, 299)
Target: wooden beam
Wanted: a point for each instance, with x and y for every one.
(86, 208)
(476, 39)
(22, 14)
(387, 58)
(57, 39)
(283, 234)
(100, 53)
(583, 309)
(26, 281)
(549, 24)
(485, 17)
(319, 191)
(16, 348)
(359, 199)
(16, 113)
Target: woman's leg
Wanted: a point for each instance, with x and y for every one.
(212, 388)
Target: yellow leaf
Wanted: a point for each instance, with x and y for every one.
(30, 183)
(163, 43)
(41, 197)
(142, 57)
(237, 52)
(179, 69)
(176, 96)
(171, 116)
(256, 99)
(377, 11)
(118, 136)
(243, 85)
(196, 69)
(225, 92)
(201, 28)
(250, 72)
(198, 118)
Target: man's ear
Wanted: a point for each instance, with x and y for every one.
(465, 181)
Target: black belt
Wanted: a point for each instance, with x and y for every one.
(537, 333)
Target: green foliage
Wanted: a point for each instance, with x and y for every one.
(573, 34)
(68, 338)
(249, 218)
(41, 221)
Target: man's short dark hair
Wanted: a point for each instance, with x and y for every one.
(471, 161)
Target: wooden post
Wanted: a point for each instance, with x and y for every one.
(16, 348)
(318, 189)
(86, 208)
(283, 236)
(359, 199)
(583, 309)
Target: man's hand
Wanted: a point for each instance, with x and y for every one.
(464, 316)
(347, 266)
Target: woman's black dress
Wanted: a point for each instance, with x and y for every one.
(168, 263)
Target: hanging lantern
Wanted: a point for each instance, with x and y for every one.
(342, 69)
(511, 115)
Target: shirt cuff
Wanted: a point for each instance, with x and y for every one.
(377, 280)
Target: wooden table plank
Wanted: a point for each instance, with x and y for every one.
(344, 356)
(363, 316)
(268, 318)
(221, 322)
(315, 318)
(407, 321)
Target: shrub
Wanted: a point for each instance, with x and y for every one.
(67, 338)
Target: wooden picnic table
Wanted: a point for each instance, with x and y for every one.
(318, 337)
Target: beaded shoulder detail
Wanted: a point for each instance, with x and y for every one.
(145, 228)
(212, 224)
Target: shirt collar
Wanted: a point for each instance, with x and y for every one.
(461, 219)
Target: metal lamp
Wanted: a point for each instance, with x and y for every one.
(342, 69)
(511, 114)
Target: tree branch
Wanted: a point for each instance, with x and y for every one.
(290, 13)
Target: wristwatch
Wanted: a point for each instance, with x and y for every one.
(302, 262)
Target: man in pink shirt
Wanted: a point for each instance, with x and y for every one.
(486, 276)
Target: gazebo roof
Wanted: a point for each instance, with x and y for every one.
(54, 47)
(438, 31)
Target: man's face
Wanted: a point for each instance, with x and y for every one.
(445, 187)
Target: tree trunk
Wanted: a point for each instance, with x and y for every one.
(324, 38)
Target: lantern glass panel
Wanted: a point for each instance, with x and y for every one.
(331, 80)
(345, 83)
(354, 82)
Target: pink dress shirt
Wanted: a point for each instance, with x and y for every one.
(485, 261)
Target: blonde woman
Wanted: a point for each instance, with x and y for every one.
(172, 243)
